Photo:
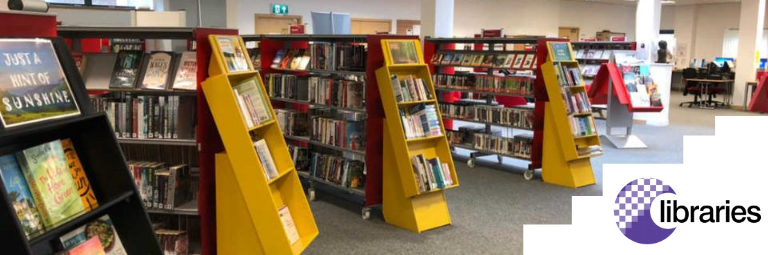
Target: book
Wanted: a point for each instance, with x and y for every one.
(157, 70)
(408, 88)
(50, 181)
(403, 52)
(436, 59)
(478, 60)
(420, 121)
(509, 60)
(488, 61)
(101, 229)
(186, 71)
(457, 59)
(430, 173)
(20, 197)
(290, 227)
(446, 60)
(98, 71)
(345, 172)
(127, 68)
(233, 53)
(528, 61)
(518, 63)
(154, 118)
(270, 169)
(467, 60)
(252, 102)
(173, 242)
(91, 247)
(278, 59)
(499, 61)
(30, 73)
(345, 133)
(561, 51)
(78, 175)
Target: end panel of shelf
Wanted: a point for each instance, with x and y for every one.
(556, 108)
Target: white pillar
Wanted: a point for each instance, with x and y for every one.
(750, 36)
(437, 18)
(647, 23)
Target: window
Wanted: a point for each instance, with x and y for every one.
(731, 44)
(105, 3)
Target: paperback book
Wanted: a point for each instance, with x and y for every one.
(265, 157)
(186, 71)
(127, 69)
(101, 229)
(20, 197)
(252, 102)
(157, 72)
(233, 53)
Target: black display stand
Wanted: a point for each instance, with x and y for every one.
(104, 165)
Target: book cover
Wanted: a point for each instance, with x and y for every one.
(30, 73)
(157, 71)
(103, 229)
(478, 60)
(251, 89)
(528, 61)
(509, 61)
(403, 52)
(561, 51)
(20, 197)
(232, 53)
(446, 59)
(519, 59)
(126, 69)
(47, 173)
(78, 175)
(499, 61)
(278, 58)
(270, 170)
(488, 61)
(288, 224)
(457, 59)
(436, 58)
(91, 247)
(467, 61)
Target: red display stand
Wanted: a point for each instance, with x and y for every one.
(27, 24)
(759, 102)
(608, 88)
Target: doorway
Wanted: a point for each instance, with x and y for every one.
(371, 26)
(572, 33)
(275, 24)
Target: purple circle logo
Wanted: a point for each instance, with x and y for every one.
(633, 211)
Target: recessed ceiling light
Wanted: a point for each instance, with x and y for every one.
(667, 2)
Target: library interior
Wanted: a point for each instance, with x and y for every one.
(204, 127)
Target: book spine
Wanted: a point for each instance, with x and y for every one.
(36, 190)
(135, 118)
(166, 119)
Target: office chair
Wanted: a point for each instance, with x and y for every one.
(691, 87)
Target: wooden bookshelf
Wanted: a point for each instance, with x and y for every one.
(246, 201)
(371, 194)
(562, 164)
(483, 46)
(404, 204)
(105, 168)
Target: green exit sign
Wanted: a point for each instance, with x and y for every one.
(279, 9)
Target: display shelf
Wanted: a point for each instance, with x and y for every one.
(188, 209)
(271, 44)
(470, 147)
(405, 204)
(247, 202)
(562, 164)
(209, 144)
(484, 46)
(409, 103)
(486, 123)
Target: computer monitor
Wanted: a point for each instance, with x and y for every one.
(331, 23)
(720, 61)
(762, 62)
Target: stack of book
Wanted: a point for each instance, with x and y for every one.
(344, 172)
(149, 117)
(291, 59)
(494, 143)
(161, 186)
(322, 56)
(252, 102)
(590, 150)
(336, 92)
(506, 61)
(568, 76)
(523, 146)
(287, 86)
(339, 133)
(300, 157)
(293, 123)
(265, 157)
(420, 121)
(431, 173)
(516, 117)
(576, 103)
(133, 69)
(173, 242)
(514, 84)
(47, 186)
(409, 89)
(582, 126)
(465, 81)
(350, 57)
(465, 135)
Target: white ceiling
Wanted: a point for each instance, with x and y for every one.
(677, 2)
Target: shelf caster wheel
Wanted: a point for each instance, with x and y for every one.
(500, 158)
(528, 175)
(471, 163)
(366, 213)
(312, 195)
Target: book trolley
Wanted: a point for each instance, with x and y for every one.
(404, 204)
(370, 195)
(565, 163)
(247, 203)
(102, 162)
(516, 96)
(197, 152)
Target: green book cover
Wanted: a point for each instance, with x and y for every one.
(21, 198)
(47, 173)
(561, 51)
(33, 86)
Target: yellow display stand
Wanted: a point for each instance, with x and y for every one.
(247, 203)
(561, 163)
(403, 204)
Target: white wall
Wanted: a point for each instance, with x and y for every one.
(517, 17)
(377, 9)
(668, 16)
(712, 21)
(601, 16)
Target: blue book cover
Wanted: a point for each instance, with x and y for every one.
(437, 172)
(20, 196)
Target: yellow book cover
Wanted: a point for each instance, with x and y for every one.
(78, 175)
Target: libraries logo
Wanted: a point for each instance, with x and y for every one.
(633, 211)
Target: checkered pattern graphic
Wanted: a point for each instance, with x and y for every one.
(635, 200)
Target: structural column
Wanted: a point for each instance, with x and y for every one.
(437, 18)
(647, 23)
(750, 36)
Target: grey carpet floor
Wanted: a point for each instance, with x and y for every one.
(493, 202)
